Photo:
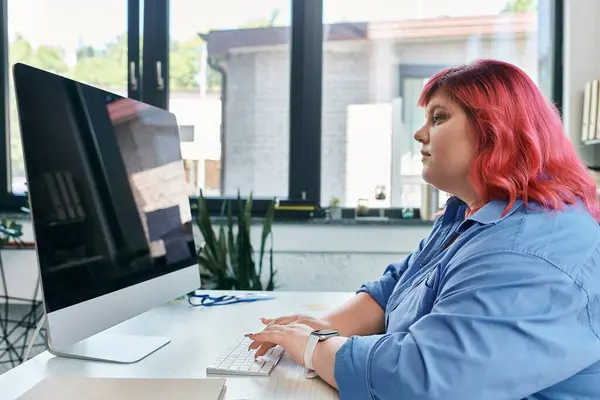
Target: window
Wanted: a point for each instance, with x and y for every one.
(229, 80)
(186, 133)
(377, 55)
(267, 102)
(86, 41)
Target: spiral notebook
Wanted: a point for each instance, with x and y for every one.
(84, 388)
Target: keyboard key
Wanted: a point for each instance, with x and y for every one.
(237, 360)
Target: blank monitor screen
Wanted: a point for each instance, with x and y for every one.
(107, 188)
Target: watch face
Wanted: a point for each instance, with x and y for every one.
(325, 332)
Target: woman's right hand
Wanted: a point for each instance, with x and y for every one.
(313, 322)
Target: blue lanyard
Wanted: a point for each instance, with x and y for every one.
(209, 301)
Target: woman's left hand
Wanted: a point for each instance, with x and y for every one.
(292, 338)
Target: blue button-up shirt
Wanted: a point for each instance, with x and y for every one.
(509, 310)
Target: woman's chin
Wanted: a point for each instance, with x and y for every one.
(426, 175)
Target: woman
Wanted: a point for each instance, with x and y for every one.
(502, 300)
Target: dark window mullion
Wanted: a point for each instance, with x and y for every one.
(557, 48)
(306, 76)
(134, 84)
(155, 66)
(8, 201)
(5, 169)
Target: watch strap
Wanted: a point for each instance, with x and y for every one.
(309, 349)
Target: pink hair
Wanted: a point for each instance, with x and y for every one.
(522, 151)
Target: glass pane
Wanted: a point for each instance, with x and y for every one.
(229, 80)
(86, 41)
(410, 166)
(376, 57)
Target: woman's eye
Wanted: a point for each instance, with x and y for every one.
(437, 118)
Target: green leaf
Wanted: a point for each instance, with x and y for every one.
(272, 272)
(266, 232)
(205, 226)
(212, 255)
(231, 242)
(222, 248)
(228, 257)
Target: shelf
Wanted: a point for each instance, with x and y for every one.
(590, 142)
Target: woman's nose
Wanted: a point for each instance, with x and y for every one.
(421, 135)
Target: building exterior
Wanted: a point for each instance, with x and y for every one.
(372, 76)
(199, 118)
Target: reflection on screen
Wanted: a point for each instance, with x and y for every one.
(107, 189)
(153, 163)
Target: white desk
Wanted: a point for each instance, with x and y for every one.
(197, 336)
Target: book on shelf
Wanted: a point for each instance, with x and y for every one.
(592, 134)
(590, 122)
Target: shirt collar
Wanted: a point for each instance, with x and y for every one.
(454, 210)
(491, 213)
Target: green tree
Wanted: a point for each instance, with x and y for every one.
(184, 63)
(47, 57)
(16, 148)
(213, 79)
(184, 66)
(85, 52)
(106, 68)
(50, 58)
(519, 6)
(263, 22)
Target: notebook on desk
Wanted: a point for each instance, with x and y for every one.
(82, 388)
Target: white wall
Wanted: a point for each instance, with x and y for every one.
(337, 257)
(307, 257)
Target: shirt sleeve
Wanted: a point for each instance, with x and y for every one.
(381, 289)
(504, 325)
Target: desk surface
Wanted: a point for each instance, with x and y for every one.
(197, 336)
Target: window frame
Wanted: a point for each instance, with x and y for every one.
(306, 94)
(8, 201)
(306, 85)
(155, 54)
(134, 79)
(557, 12)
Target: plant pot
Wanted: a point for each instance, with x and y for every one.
(335, 213)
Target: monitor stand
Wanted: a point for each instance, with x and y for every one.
(122, 349)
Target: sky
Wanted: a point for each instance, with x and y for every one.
(69, 23)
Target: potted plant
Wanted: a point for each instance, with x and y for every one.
(227, 258)
(335, 211)
(380, 196)
(362, 208)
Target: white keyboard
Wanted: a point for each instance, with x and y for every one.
(237, 360)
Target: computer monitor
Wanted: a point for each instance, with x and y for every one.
(110, 211)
